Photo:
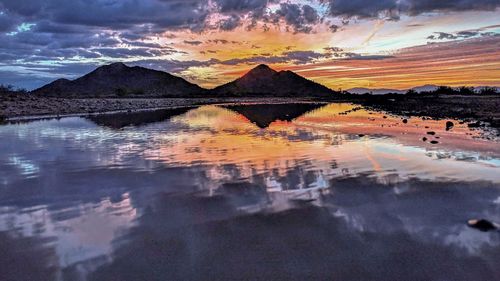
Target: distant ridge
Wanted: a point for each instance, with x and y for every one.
(419, 89)
(384, 91)
(264, 81)
(120, 80)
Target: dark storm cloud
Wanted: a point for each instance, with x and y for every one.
(7, 22)
(37, 30)
(361, 8)
(230, 23)
(392, 8)
(415, 7)
(301, 18)
(40, 31)
(241, 5)
(111, 14)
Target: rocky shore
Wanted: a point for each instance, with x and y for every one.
(24, 105)
(478, 111)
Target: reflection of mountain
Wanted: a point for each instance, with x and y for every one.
(264, 114)
(120, 120)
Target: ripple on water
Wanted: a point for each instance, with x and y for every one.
(241, 183)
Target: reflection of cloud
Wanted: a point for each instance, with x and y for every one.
(302, 189)
(184, 232)
(27, 167)
(421, 208)
(83, 232)
(221, 137)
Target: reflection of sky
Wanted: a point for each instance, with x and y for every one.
(83, 185)
(83, 231)
(220, 137)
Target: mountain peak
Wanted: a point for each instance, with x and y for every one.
(262, 70)
(265, 81)
(262, 66)
(116, 65)
(119, 80)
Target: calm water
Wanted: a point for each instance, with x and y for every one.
(247, 192)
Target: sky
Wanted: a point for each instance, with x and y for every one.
(342, 44)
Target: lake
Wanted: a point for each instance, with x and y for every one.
(248, 192)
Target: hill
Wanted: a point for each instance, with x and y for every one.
(264, 81)
(119, 80)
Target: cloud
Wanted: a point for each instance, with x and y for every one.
(97, 31)
(301, 18)
(362, 8)
(392, 9)
(230, 23)
(465, 34)
(195, 43)
(226, 6)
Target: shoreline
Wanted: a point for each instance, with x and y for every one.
(475, 110)
(33, 108)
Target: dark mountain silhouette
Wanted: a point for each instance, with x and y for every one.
(119, 80)
(263, 115)
(264, 81)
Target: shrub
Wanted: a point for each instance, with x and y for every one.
(121, 92)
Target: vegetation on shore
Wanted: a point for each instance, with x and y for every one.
(9, 89)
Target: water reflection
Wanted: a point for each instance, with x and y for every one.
(121, 120)
(263, 115)
(290, 191)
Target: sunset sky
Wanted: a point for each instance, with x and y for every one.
(339, 43)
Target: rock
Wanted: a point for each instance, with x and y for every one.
(361, 135)
(424, 139)
(449, 125)
(474, 125)
(434, 142)
(405, 121)
(431, 133)
(482, 225)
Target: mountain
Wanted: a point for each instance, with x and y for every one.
(360, 91)
(119, 80)
(264, 81)
(425, 88)
(419, 89)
